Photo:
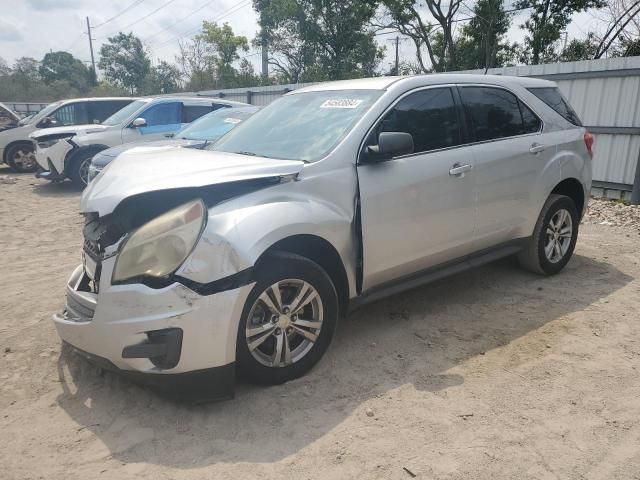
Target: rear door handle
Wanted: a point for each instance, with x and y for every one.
(458, 169)
(536, 148)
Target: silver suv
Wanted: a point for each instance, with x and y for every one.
(201, 263)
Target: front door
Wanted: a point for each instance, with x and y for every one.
(417, 210)
(162, 119)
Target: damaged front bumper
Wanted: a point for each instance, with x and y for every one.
(172, 339)
(51, 160)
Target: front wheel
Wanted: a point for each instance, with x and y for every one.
(22, 158)
(79, 169)
(288, 320)
(554, 237)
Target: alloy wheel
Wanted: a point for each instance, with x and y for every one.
(83, 171)
(24, 160)
(284, 323)
(558, 236)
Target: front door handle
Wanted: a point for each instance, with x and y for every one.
(458, 170)
(536, 148)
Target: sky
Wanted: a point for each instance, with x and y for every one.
(31, 28)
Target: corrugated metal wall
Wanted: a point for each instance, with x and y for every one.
(605, 93)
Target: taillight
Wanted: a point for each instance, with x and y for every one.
(588, 141)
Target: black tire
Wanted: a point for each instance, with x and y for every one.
(12, 153)
(277, 267)
(533, 257)
(76, 165)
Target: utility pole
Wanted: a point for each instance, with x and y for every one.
(397, 44)
(265, 56)
(93, 62)
(397, 55)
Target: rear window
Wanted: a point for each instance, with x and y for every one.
(100, 110)
(552, 97)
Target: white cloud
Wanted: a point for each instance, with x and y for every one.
(53, 4)
(9, 32)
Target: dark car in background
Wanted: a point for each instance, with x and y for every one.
(198, 134)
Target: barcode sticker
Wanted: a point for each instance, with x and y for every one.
(341, 103)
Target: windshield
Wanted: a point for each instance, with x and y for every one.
(43, 113)
(215, 124)
(124, 113)
(303, 126)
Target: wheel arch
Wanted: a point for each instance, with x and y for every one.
(320, 251)
(73, 154)
(572, 188)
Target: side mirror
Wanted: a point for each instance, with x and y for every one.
(47, 122)
(390, 144)
(139, 122)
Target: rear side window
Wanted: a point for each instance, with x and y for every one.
(163, 114)
(552, 97)
(494, 112)
(193, 112)
(430, 116)
(72, 114)
(100, 110)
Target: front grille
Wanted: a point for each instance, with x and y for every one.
(92, 249)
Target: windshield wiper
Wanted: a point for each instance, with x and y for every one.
(252, 154)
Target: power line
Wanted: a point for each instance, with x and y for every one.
(240, 5)
(143, 18)
(134, 4)
(179, 21)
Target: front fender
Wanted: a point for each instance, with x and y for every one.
(234, 239)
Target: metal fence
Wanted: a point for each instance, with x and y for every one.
(24, 108)
(605, 93)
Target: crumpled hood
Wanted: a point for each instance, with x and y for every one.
(168, 142)
(71, 129)
(152, 169)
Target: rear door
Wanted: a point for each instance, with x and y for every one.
(510, 152)
(100, 110)
(416, 210)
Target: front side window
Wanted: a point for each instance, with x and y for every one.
(163, 114)
(300, 126)
(124, 113)
(430, 116)
(72, 114)
(494, 112)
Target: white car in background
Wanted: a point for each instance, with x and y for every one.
(66, 152)
(16, 148)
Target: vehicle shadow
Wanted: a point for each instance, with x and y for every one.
(413, 338)
(45, 188)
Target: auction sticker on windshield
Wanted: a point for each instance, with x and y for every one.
(341, 103)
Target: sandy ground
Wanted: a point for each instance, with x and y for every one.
(495, 373)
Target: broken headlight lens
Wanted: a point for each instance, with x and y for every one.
(159, 247)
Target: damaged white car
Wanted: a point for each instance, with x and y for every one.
(198, 264)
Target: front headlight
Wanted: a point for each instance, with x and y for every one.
(50, 142)
(159, 247)
(94, 171)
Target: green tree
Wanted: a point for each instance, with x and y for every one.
(579, 49)
(62, 66)
(124, 62)
(548, 19)
(163, 78)
(410, 18)
(26, 69)
(222, 49)
(482, 43)
(320, 39)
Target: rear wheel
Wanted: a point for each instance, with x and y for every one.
(554, 237)
(288, 320)
(21, 157)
